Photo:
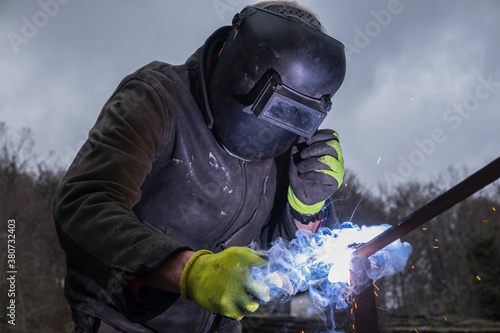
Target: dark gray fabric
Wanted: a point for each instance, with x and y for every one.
(106, 328)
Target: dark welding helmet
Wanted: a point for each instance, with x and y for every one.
(273, 80)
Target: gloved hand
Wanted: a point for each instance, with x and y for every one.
(316, 171)
(222, 283)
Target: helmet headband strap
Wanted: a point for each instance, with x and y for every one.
(295, 13)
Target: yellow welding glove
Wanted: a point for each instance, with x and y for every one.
(222, 282)
(316, 171)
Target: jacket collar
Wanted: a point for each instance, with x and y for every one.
(199, 66)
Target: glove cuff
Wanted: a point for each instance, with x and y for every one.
(321, 216)
(185, 272)
(301, 207)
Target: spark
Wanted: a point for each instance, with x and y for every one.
(378, 161)
(413, 267)
(415, 330)
(436, 247)
(445, 318)
(478, 277)
(424, 229)
(436, 239)
(494, 209)
(485, 220)
(375, 293)
(375, 286)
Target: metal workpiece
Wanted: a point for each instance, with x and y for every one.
(439, 205)
(364, 303)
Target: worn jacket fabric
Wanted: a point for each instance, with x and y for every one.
(149, 182)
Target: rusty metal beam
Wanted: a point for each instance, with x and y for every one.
(364, 305)
(442, 203)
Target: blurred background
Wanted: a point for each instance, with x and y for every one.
(417, 113)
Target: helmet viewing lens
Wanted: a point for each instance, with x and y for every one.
(280, 105)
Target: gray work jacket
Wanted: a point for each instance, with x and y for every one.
(150, 181)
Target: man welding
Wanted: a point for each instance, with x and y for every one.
(187, 165)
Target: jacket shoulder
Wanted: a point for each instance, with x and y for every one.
(158, 70)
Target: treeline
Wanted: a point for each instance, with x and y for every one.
(27, 189)
(453, 269)
(455, 264)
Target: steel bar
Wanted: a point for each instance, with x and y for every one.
(364, 305)
(445, 201)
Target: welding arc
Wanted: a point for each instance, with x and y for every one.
(445, 201)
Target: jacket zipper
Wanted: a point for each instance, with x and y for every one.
(240, 229)
(242, 202)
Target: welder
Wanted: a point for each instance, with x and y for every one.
(188, 165)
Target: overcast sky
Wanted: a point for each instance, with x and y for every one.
(422, 90)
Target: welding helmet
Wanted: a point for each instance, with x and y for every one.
(273, 80)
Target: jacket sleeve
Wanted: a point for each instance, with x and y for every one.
(93, 204)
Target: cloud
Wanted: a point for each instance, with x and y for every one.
(399, 86)
(426, 58)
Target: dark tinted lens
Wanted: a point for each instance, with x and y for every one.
(292, 116)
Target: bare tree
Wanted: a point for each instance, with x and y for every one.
(26, 192)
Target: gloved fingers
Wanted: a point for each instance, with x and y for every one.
(321, 176)
(260, 254)
(334, 164)
(337, 168)
(301, 140)
(313, 164)
(332, 160)
(249, 257)
(257, 289)
(336, 145)
(323, 135)
(229, 308)
(319, 149)
(280, 280)
(244, 256)
(244, 302)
